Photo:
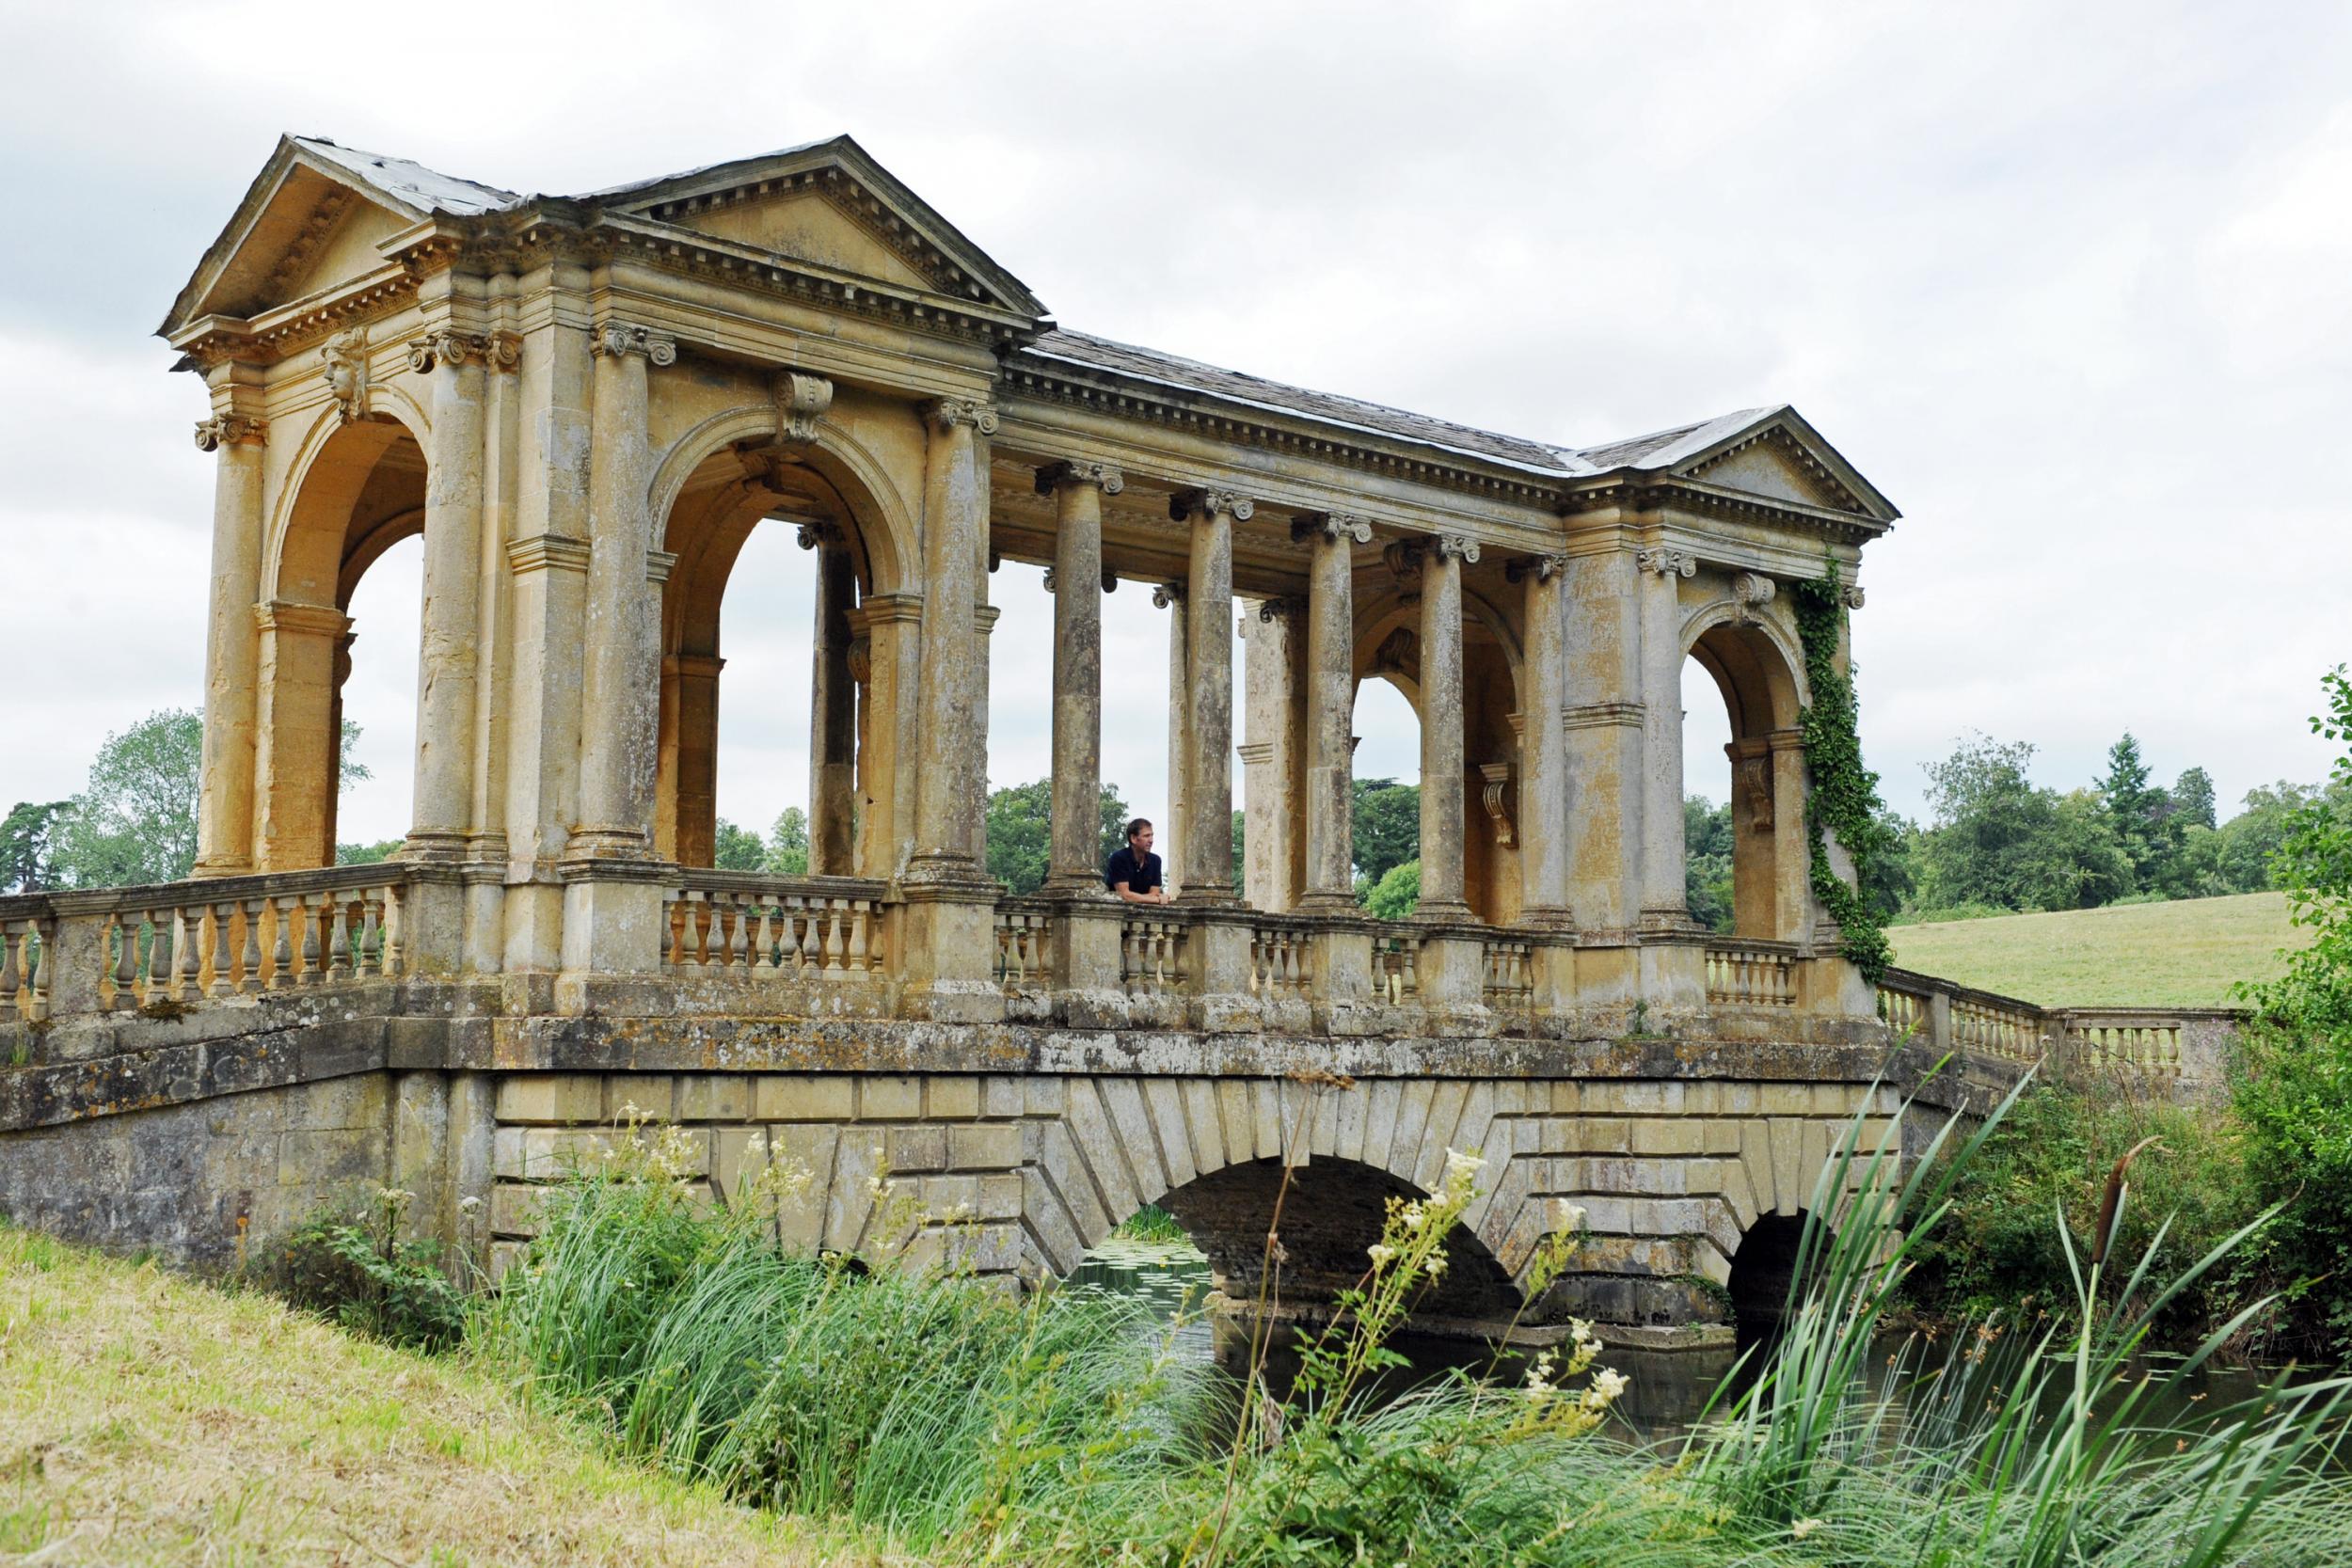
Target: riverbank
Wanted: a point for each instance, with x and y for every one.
(149, 1421)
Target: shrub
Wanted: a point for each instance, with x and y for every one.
(359, 1272)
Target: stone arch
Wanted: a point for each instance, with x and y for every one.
(1763, 1270)
(1758, 667)
(356, 488)
(1388, 632)
(713, 485)
(1211, 1152)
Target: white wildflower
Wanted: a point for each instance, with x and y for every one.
(1804, 1528)
(1435, 1264)
(1413, 1218)
(1381, 1254)
(470, 1206)
(1606, 1386)
(1461, 1167)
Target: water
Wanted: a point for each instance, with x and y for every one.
(1668, 1392)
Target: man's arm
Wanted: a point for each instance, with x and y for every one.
(1157, 895)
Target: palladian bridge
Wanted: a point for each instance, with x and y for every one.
(585, 405)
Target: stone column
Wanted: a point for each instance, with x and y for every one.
(1330, 792)
(621, 705)
(692, 684)
(1171, 596)
(1442, 765)
(442, 812)
(954, 760)
(547, 559)
(296, 742)
(1543, 826)
(1077, 489)
(1604, 734)
(1665, 903)
(224, 825)
(886, 764)
(832, 707)
(1276, 779)
(1207, 847)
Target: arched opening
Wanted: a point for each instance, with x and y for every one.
(376, 787)
(819, 662)
(361, 496)
(1762, 1273)
(1387, 825)
(1331, 1212)
(1747, 858)
(1387, 726)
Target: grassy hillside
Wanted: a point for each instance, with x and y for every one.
(2179, 955)
(147, 1420)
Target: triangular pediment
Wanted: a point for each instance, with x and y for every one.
(829, 203)
(1772, 454)
(315, 218)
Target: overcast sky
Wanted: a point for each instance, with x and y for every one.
(2068, 282)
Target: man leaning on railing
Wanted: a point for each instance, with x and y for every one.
(1133, 872)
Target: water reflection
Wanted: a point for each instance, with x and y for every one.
(1668, 1392)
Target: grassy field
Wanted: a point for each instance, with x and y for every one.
(2179, 955)
(146, 1421)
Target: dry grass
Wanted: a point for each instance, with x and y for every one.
(149, 1421)
(2184, 954)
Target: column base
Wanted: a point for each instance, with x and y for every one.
(609, 845)
(1326, 902)
(613, 922)
(946, 949)
(433, 844)
(222, 866)
(949, 874)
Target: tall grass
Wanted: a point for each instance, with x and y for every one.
(969, 1424)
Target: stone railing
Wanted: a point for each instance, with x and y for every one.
(2180, 1048)
(1282, 959)
(1507, 975)
(1153, 954)
(1752, 974)
(749, 926)
(1396, 967)
(171, 948)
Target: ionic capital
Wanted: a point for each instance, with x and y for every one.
(1053, 580)
(1667, 564)
(1271, 611)
(1750, 593)
(229, 430)
(1454, 546)
(617, 339)
(1338, 526)
(957, 413)
(497, 351)
(1852, 595)
(1543, 568)
(1185, 503)
(1167, 595)
(814, 535)
(802, 400)
(1106, 477)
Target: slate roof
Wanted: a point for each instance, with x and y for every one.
(416, 189)
(411, 185)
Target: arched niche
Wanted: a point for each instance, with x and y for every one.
(1757, 669)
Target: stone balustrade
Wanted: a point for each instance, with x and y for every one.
(1752, 974)
(2182, 1050)
(749, 926)
(165, 949)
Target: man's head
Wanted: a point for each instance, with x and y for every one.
(1140, 835)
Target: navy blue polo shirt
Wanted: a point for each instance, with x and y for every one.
(1143, 878)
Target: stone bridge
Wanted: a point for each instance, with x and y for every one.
(586, 405)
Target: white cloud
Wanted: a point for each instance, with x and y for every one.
(2066, 282)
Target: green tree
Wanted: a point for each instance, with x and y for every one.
(367, 854)
(2292, 1085)
(1021, 834)
(786, 851)
(733, 848)
(1397, 894)
(1113, 810)
(2146, 828)
(27, 839)
(2193, 797)
(1706, 862)
(1387, 825)
(2249, 839)
(1998, 840)
(134, 821)
(1890, 878)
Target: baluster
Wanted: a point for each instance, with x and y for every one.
(763, 941)
(126, 967)
(250, 954)
(10, 939)
(862, 947)
(224, 974)
(281, 950)
(739, 932)
(837, 937)
(191, 950)
(159, 950)
(42, 939)
(310, 908)
(368, 947)
(338, 937)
